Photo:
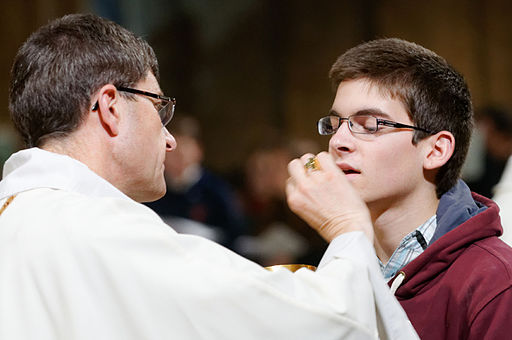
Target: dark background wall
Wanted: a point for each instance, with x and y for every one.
(251, 68)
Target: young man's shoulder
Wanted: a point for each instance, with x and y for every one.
(490, 256)
(496, 248)
(471, 288)
(487, 281)
(483, 267)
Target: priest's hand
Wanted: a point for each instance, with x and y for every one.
(319, 192)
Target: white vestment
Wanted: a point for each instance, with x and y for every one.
(503, 197)
(81, 260)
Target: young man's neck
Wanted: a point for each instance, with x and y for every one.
(391, 223)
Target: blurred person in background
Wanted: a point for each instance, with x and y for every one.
(499, 145)
(195, 193)
(275, 234)
(495, 126)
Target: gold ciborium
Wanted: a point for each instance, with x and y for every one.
(290, 267)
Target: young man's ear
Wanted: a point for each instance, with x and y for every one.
(440, 149)
(106, 107)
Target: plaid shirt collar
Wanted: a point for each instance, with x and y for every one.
(411, 246)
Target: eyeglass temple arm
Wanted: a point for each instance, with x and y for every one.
(135, 91)
(145, 93)
(400, 125)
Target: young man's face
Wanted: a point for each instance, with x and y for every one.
(385, 167)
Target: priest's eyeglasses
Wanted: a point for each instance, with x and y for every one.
(363, 124)
(165, 106)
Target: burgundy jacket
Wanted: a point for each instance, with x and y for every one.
(460, 287)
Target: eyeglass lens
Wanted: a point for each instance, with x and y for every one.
(357, 124)
(166, 112)
(165, 108)
(328, 125)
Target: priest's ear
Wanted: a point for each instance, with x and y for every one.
(107, 110)
(438, 150)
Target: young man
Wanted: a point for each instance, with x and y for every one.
(401, 124)
(81, 259)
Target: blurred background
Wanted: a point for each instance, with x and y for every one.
(253, 75)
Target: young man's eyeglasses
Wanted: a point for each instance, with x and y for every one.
(364, 124)
(165, 106)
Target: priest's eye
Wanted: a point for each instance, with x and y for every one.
(159, 106)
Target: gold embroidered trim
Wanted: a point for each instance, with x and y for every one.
(9, 200)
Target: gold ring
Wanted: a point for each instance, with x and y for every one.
(312, 164)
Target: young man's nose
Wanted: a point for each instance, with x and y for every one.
(343, 139)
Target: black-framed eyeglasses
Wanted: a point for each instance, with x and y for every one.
(165, 107)
(364, 124)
